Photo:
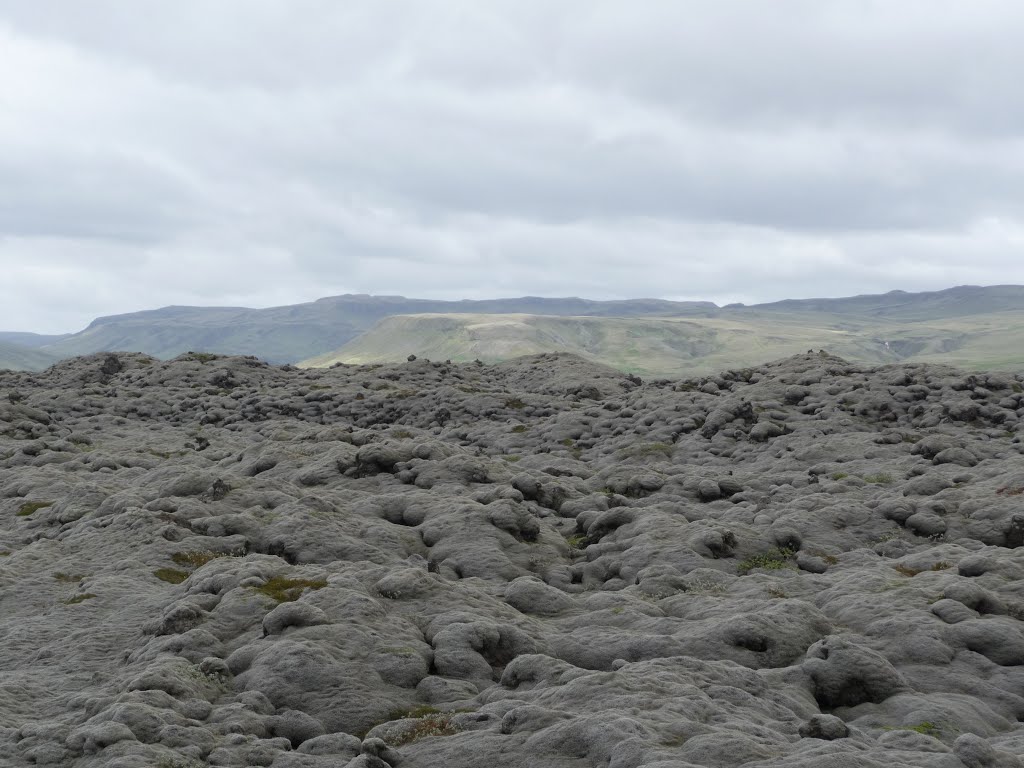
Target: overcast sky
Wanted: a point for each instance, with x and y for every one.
(262, 152)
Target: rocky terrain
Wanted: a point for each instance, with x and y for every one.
(543, 562)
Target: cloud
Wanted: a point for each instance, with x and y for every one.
(267, 152)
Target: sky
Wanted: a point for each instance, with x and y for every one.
(268, 152)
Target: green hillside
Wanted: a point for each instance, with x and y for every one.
(292, 333)
(970, 326)
(692, 346)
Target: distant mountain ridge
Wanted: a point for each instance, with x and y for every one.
(292, 333)
(31, 340)
(969, 325)
(960, 301)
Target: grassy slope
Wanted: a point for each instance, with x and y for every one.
(293, 333)
(969, 326)
(675, 347)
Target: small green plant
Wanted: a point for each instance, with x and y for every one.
(514, 402)
(32, 506)
(882, 478)
(79, 598)
(927, 728)
(170, 575)
(202, 357)
(772, 560)
(839, 475)
(577, 541)
(401, 434)
(284, 590)
(518, 429)
(512, 458)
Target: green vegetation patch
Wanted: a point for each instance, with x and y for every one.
(927, 728)
(170, 575)
(32, 506)
(578, 541)
(772, 560)
(79, 598)
(882, 478)
(284, 590)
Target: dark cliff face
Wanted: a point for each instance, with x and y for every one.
(545, 562)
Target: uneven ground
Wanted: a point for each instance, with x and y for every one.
(538, 563)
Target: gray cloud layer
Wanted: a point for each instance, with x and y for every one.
(273, 151)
